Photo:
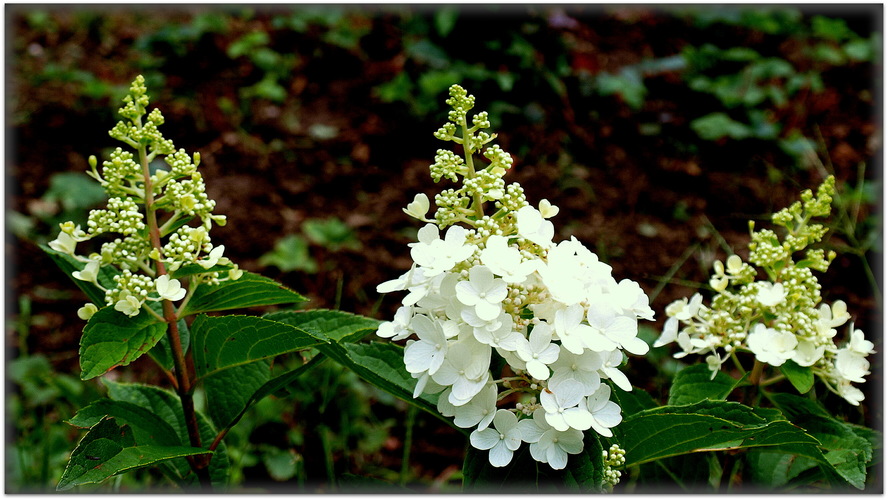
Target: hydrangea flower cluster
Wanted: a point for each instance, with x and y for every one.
(516, 332)
(780, 318)
(136, 200)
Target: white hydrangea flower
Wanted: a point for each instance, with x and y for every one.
(610, 370)
(807, 353)
(483, 292)
(399, 328)
(851, 366)
(213, 258)
(129, 305)
(669, 334)
(562, 403)
(621, 330)
(532, 226)
(547, 444)
(505, 261)
(538, 352)
(851, 394)
(436, 255)
(605, 413)
(87, 311)
(419, 207)
(479, 411)
(771, 346)
(575, 336)
(502, 439)
(64, 243)
(169, 289)
(770, 294)
(89, 273)
(584, 368)
(428, 353)
(466, 368)
(858, 344)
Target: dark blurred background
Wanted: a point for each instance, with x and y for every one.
(658, 131)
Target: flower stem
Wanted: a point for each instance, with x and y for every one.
(469, 150)
(198, 463)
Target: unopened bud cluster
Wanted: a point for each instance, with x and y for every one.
(514, 332)
(780, 317)
(614, 458)
(171, 197)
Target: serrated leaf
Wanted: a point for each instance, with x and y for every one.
(69, 264)
(222, 342)
(708, 426)
(250, 290)
(192, 269)
(112, 339)
(848, 452)
(381, 364)
(229, 390)
(232, 415)
(167, 406)
(232, 356)
(696, 383)
(334, 326)
(801, 377)
(148, 427)
(109, 449)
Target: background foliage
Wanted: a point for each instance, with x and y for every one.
(659, 132)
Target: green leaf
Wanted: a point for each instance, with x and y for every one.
(69, 264)
(845, 448)
(445, 20)
(632, 402)
(222, 342)
(290, 253)
(109, 449)
(382, 364)
(776, 469)
(231, 416)
(162, 353)
(229, 390)
(847, 452)
(331, 233)
(75, 191)
(522, 474)
(232, 355)
(148, 427)
(697, 382)
(802, 378)
(586, 470)
(331, 326)
(112, 339)
(250, 290)
(709, 426)
(715, 126)
(192, 269)
(167, 406)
